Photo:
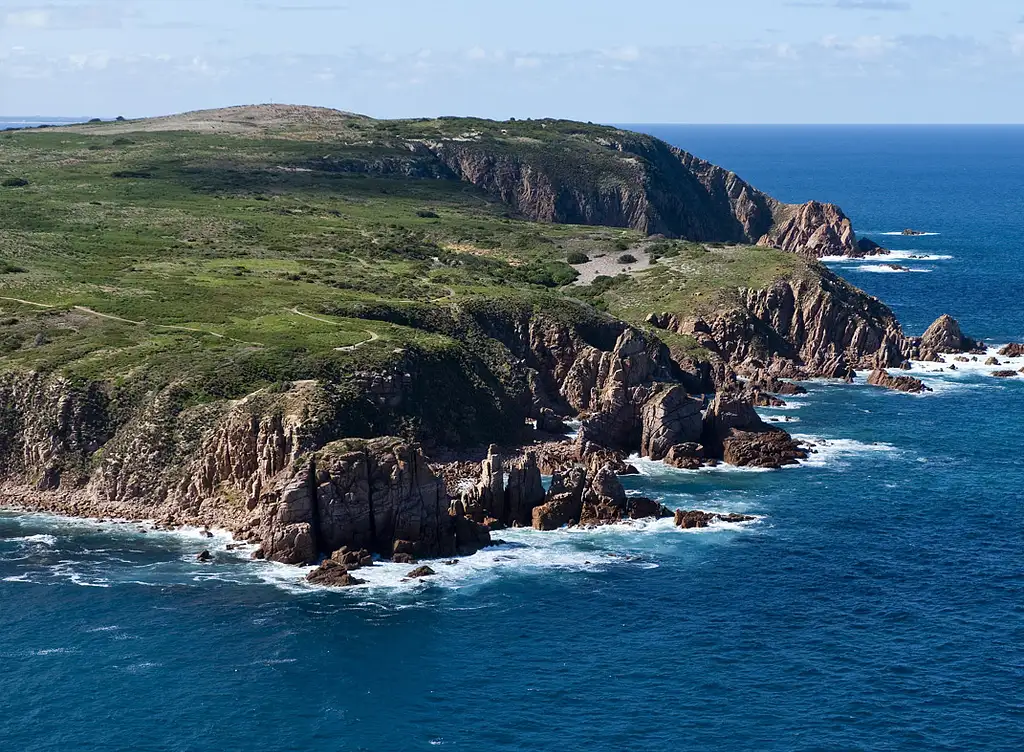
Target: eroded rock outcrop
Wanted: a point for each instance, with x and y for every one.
(943, 337)
(813, 229)
(669, 417)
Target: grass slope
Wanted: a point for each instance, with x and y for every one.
(235, 257)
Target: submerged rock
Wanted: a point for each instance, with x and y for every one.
(423, 571)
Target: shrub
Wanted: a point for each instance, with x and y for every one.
(427, 214)
(15, 183)
(577, 257)
(137, 174)
(123, 142)
(8, 268)
(626, 258)
(95, 120)
(621, 245)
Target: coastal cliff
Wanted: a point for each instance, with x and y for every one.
(310, 338)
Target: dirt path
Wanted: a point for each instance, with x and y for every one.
(111, 317)
(26, 302)
(348, 348)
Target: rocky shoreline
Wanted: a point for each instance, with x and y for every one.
(261, 469)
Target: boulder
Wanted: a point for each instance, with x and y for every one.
(881, 377)
(423, 571)
(332, 574)
(548, 421)
(604, 499)
(1012, 350)
(564, 503)
(689, 456)
(992, 362)
(204, 556)
(1004, 374)
(643, 508)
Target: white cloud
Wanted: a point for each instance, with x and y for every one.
(27, 19)
(527, 62)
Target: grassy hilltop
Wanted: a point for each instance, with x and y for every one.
(232, 251)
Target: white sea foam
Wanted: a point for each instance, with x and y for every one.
(574, 429)
(917, 235)
(905, 255)
(956, 375)
(45, 540)
(656, 469)
(831, 452)
(886, 269)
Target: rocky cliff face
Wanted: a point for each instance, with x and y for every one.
(813, 229)
(631, 180)
(814, 326)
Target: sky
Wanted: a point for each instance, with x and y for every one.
(622, 61)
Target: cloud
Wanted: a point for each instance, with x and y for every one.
(69, 16)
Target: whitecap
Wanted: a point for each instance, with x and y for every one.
(45, 540)
(886, 269)
(828, 452)
(916, 235)
(904, 255)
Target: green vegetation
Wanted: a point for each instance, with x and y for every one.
(231, 262)
(626, 258)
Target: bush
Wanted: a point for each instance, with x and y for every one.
(123, 142)
(626, 258)
(15, 183)
(136, 174)
(621, 245)
(427, 214)
(577, 257)
(9, 268)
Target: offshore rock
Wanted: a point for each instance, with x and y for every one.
(332, 574)
(944, 336)
(698, 519)
(734, 432)
(881, 377)
(1012, 350)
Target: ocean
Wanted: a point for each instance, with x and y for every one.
(875, 604)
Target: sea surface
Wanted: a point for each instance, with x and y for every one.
(877, 603)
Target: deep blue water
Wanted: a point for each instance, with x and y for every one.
(876, 605)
